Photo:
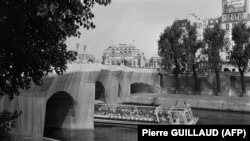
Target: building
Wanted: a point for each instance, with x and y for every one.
(155, 62)
(199, 23)
(124, 55)
(200, 27)
(233, 12)
(211, 22)
(225, 56)
(83, 56)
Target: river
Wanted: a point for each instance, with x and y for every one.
(104, 133)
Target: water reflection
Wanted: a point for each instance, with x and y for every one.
(67, 135)
(101, 133)
(211, 117)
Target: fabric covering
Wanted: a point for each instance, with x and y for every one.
(78, 82)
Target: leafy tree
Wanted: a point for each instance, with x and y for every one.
(240, 53)
(191, 46)
(170, 48)
(214, 38)
(32, 39)
(7, 121)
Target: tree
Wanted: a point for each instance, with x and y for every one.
(191, 46)
(240, 53)
(214, 39)
(170, 49)
(32, 39)
(7, 121)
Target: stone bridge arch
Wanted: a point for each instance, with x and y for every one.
(110, 80)
(145, 82)
(100, 91)
(140, 87)
(59, 110)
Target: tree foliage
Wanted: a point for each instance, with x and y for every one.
(7, 121)
(32, 38)
(240, 53)
(32, 42)
(191, 45)
(214, 39)
(170, 48)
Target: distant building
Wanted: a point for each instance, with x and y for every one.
(123, 55)
(155, 62)
(83, 56)
(199, 23)
(200, 27)
(233, 12)
(211, 22)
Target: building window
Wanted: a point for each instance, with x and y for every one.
(237, 17)
(233, 17)
(227, 26)
(240, 16)
(224, 18)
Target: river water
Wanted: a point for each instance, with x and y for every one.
(104, 133)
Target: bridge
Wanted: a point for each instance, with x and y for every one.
(67, 101)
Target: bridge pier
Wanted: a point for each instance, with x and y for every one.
(84, 109)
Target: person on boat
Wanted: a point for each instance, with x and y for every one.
(176, 120)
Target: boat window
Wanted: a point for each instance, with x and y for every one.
(163, 116)
(191, 114)
(178, 117)
(188, 117)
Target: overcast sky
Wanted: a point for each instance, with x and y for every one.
(140, 20)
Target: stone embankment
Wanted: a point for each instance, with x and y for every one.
(201, 102)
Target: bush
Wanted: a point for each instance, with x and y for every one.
(7, 122)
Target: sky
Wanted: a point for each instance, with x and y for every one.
(138, 22)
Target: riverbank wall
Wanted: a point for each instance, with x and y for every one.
(221, 103)
(230, 84)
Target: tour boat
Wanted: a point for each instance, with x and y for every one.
(143, 115)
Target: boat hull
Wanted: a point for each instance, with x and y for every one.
(108, 122)
(133, 124)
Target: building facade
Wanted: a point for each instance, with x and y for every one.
(233, 12)
(200, 27)
(155, 62)
(124, 55)
(83, 56)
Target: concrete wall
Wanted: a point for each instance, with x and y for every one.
(230, 84)
(195, 101)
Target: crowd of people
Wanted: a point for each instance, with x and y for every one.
(132, 112)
